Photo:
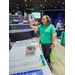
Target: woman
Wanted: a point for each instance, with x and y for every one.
(47, 36)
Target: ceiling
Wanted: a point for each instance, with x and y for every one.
(36, 5)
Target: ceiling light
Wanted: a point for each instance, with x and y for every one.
(63, 3)
(43, 7)
(45, 0)
(31, 9)
(26, 5)
(30, 0)
(41, 4)
(17, 4)
(25, 0)
(58, 1)
(55, 7)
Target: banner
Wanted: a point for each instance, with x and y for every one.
(19, 19)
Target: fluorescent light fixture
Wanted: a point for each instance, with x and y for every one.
(31, 9)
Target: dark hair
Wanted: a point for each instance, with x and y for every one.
(48, 20)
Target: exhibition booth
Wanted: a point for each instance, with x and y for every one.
(19, 26)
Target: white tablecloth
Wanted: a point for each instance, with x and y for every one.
(17, 55)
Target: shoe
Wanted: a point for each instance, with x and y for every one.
(51, 68)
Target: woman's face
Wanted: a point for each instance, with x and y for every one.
(44, 20)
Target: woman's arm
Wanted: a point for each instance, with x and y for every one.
(53, 40)
(53, 37)
(33, 27)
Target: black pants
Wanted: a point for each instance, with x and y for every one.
(58, 33)
(46, 51)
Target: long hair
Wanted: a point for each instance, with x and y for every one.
(48, 20)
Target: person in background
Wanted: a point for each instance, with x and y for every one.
(62, 25)
(47, 36)
(21, 17)
(58, 28)
(10, 44)
(58, 25)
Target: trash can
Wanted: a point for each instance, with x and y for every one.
(63, 37)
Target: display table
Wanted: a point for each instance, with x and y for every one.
(60, 30)
(22, 64)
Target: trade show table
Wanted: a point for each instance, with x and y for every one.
(60, 30)
(21, 63)
(20, 32)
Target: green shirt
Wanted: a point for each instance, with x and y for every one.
(46, 37)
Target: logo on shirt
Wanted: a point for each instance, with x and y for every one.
(49, 28)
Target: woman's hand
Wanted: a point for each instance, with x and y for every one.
(33, 27)
(53, 39)
(52, 46)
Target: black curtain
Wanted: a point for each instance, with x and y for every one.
(55, 15)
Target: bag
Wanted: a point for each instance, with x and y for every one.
(39, 41)
(63, 38)
(52, 57)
